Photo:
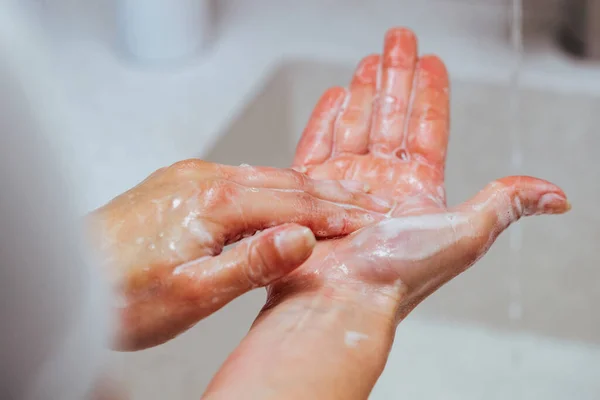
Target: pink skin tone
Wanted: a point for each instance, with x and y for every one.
(161, 241)
(328, 326)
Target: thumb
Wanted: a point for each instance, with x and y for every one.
(469, 230)
(254, 262)
(508, 199)
(497, 206)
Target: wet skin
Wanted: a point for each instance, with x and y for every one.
(328, 326)
(161, 241)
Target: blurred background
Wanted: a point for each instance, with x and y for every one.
(150, 82)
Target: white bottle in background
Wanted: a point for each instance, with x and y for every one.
(164, 30)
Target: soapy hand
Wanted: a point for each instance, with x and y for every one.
(161, 241)
(391, 132)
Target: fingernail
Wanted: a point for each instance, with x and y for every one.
(295, 244)
(355, 186)
(552, 203)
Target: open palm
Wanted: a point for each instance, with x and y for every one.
(393, 137)
(390, 130)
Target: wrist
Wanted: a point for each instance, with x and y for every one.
(383, 300)
(310, 343)
(352, 324)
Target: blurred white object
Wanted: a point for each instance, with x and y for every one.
(164, 30)
(53, 304)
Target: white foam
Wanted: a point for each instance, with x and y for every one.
(415, 238)
(176, 203)
(352, 338)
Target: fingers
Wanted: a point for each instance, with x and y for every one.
(165, 301)
(352, 127)
(393, 101)
(255, 262)
(249, 210)
(505, 201)
(428, 126)
(317, 140)
(345, 192)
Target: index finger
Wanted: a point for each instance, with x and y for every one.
(316, 143)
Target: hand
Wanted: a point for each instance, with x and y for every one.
(394, 138)
(162, 239)
(346, 300)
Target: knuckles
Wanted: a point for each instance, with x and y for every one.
(191, 166)
(260, 260)
(219, 194)
(300, 180)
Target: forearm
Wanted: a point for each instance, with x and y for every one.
(327, 345)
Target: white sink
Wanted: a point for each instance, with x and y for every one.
(460, 343)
